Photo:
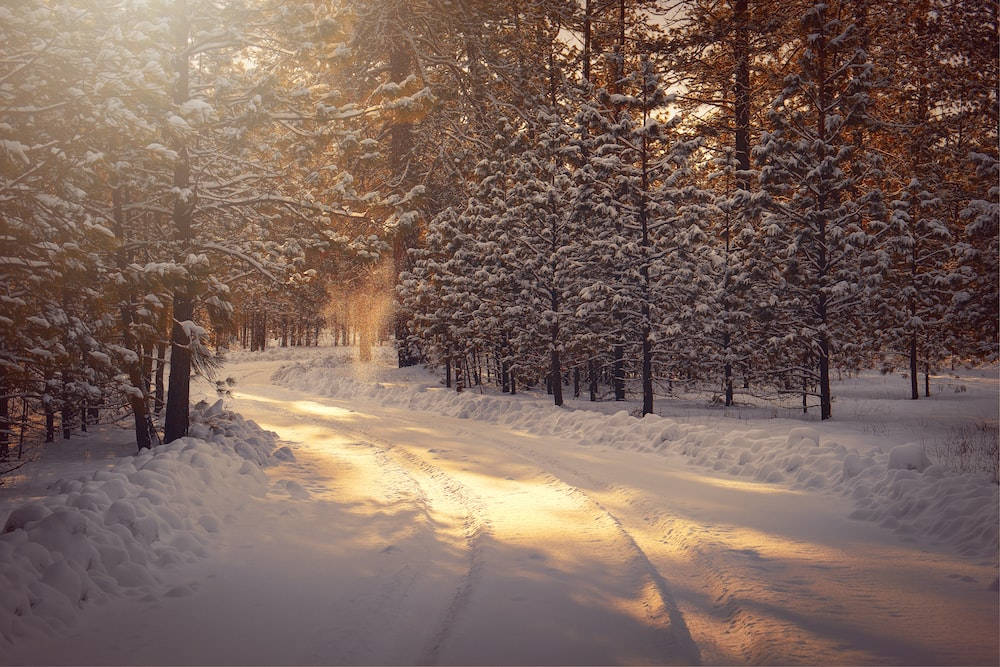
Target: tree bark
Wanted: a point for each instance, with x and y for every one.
(5, 424)
(618, 369)
(592, 378)
(161, 354)
(400, 148)
(741, 116)
(179, 390)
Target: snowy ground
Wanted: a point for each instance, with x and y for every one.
(416, 526)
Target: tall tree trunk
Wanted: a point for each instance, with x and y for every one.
(179, 389)
(161, 358)
(825, 397)
(822, 257)
(67, 418)
(619, 84)
(176, 414)
(914, 382)
(927, 378)
(505, 376)
(741, 116)
(5, 423)
(400, 148)
(555, 367)
(647, 368)
(805, 394)
(618, 368)
(134, 369)
(646, 330)
(592, 378)
(136, 402)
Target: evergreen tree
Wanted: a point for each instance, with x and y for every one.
(821, 267)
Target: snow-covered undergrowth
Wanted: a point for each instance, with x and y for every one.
(274, 352)
(116, 532)
(899, 489)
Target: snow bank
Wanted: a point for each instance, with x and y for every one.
(958, 509)
(116, 531)
(910, 456)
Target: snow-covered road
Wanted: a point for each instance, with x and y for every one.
(405, 537)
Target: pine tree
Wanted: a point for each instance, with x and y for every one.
(821, 266)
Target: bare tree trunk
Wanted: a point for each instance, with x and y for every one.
(67, 419)
(5, 425)
(741, 110)
(592, 378)
(927, 379)
(161, 353)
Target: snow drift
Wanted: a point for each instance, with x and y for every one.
(901, 492)
(114, 532)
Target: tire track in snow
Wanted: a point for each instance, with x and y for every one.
(748, 644)
(677, 644)
(382, 605)
(680, 636)
(475, 527)
(674, 642)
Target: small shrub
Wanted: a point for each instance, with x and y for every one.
(970, 448)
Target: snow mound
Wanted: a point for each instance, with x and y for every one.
(910, 456)
(116, 531)
(900, 491)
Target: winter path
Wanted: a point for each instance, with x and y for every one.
(401, 536)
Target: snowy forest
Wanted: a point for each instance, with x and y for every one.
(586, 196)
(517, 332)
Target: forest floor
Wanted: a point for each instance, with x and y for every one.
(413, 526)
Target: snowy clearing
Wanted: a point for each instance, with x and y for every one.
(405, 524)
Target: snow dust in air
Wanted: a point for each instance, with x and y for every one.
(362, 314)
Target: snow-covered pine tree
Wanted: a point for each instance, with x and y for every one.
(719, 63)
(812, 232)
(543, 234)
(974, 305)
(658, 234)
(54, 336)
